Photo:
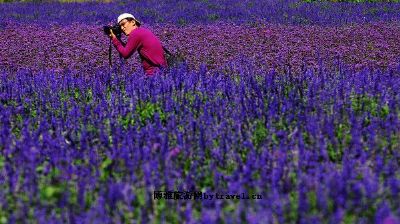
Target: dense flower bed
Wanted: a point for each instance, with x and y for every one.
(181, 12)
(315, 147)
(85, 48)
(296, 104)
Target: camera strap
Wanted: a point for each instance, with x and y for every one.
(166, 50)
(109, 54)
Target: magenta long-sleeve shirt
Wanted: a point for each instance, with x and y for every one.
(148, 46)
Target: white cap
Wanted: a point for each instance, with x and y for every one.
(126, 16)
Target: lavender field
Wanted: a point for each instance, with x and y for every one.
(288, 111)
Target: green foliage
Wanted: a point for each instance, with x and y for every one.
(292, 215)
(147, 110)
(140, 202)
(260, 133)
(3, 218)
(126, 121)
(312, 199)
(51, 188)
(335, 155)
(206, 180)
(363, 103)
(17, 125)
(104, 169)
(343, 136)
(2, 162)
(349, 218)
(160, 207)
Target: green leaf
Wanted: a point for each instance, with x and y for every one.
(104, 173)
(260, 133)
(2, 161)
(3, 220)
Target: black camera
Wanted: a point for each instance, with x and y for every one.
(116, 30)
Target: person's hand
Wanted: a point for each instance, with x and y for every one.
(112, 35)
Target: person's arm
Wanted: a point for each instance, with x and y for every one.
(131, 46)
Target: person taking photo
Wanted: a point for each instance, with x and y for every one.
(141, 40)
